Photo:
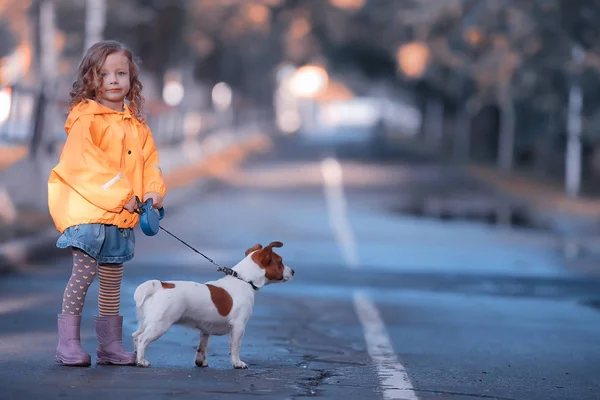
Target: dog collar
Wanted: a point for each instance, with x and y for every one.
(229, 271)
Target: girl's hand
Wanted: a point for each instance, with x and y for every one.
(131, 205)
(157, 200)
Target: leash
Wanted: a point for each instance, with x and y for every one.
(225, 270)
(219, 267)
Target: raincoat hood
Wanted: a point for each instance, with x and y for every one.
(91, 108)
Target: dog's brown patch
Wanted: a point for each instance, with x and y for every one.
(253, 248)
(167, 285)
(221, 299)
(270, 261)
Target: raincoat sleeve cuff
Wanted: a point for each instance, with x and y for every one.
(157, 187)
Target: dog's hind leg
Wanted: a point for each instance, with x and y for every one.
(201, 350)
(135, 335)
(149, 335)
(140, 329)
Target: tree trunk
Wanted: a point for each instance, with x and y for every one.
(48, 66)
(95, 21)
(462, 135)
(434, 123)
(573, 154)
(506, 145)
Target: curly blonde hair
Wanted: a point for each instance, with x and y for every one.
(88, 82)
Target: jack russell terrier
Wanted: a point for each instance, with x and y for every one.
(218, 307)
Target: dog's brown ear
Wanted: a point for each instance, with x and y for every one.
(254, 248)
(264, 257)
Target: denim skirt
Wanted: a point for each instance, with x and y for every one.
(108, 244)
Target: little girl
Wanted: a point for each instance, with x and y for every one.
(108, 159)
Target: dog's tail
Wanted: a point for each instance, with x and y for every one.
(146, 290)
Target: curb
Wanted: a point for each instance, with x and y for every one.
(20, 251)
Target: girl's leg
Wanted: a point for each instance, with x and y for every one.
(109, 297)
(69, 350)
(109, 324)
(84, 272)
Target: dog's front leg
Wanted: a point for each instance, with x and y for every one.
(235, 340)
(201, 351)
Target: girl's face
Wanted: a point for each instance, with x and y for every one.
(115, 81)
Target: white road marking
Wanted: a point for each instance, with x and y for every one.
(336, 203)
(395, 383)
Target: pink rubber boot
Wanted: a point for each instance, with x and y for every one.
(109, 329)
(69, 351)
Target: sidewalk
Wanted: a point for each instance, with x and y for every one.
(548, 202)
(34, 236)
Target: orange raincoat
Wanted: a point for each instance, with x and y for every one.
(108, 157)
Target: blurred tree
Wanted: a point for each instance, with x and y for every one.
(237, 42)
(153, 29)
(7, 39)
(514, 54)
(15, 37)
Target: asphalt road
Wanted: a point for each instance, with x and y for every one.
(383, 304)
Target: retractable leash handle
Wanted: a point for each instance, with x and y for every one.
(149, 217)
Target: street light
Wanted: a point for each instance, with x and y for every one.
(412, 59)
(348, 4)
(222, 96)
(309, 81)
(173, 93)
(5, 103)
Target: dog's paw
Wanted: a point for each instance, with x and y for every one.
(202, 363)
(143, 363)
(240, 365)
